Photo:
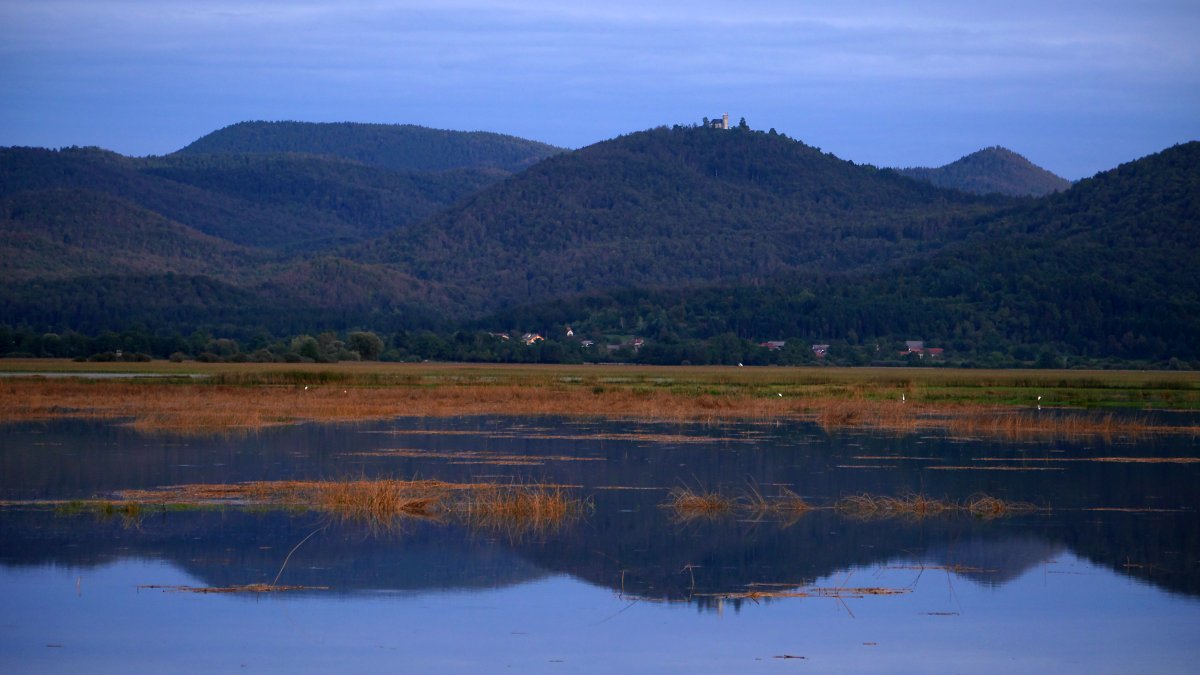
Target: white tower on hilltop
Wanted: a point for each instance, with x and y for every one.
(725, 121)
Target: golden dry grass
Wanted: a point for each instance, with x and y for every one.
(689, 504)
(871, 507)
(516, 509)
(918, 506)
(197, 407)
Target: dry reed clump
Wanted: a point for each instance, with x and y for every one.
(861, 412)
(918, 506)
(872, 507)
(689, 504)
(519, 508)
(378, 501)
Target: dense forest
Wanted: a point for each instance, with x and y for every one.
(1105, 270)
(294, 203)
(673, 245)
(401, 147)
(676, 206)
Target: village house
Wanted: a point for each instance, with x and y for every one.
(773, 345)
(918, 347)
(820, 350)
(531, 338)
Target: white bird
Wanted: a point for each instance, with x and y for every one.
(781, 395)
(902, 399)
(739, 364)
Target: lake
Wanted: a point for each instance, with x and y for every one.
(1102, 575)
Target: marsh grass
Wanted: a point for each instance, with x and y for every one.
(517, 509)
(1021, 425)
(688, 504)
(873, 507)
(245, 397)
(915, 506)
(378, 501)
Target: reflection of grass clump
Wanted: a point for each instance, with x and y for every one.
(786, 503)
(868, 507)
(130, 512)
(983, 506)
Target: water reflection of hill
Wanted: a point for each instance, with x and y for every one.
(662, 560)
(233, 547)
(628, 541)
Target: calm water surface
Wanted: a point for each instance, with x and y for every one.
(1068, 588)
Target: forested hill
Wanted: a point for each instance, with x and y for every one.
(675, 235)
(283, 202)
(671, 206)
(401, 147)
(1106, 269)
(992, 170)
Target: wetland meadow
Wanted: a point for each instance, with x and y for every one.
(166, 517)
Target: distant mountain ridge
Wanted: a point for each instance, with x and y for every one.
(282, 202)
(676, 234)
(993, 170)
(400, 147)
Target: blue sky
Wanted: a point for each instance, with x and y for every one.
(1077, 87)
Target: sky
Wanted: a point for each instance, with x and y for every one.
(1076, 86)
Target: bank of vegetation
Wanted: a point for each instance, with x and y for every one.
(668, 246)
